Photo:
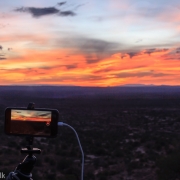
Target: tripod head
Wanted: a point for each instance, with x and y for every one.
(23, 170)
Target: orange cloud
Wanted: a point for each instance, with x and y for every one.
(154, 66)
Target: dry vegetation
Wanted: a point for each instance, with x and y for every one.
(123, 137)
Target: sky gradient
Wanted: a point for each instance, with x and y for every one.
(90, 43)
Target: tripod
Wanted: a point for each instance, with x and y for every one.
(23, 170)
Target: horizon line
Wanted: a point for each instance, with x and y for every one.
(125, 85)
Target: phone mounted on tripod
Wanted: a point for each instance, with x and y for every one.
(30, 123)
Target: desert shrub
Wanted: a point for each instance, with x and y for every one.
(169, 167)
(64, 164)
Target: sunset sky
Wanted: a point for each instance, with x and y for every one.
(90, 43)
(27, 115)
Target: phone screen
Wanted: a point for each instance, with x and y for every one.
(31, 122)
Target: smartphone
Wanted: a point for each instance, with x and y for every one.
(35, 122)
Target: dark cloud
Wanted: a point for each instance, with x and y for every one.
(112, 68)
(104, 70)
(39, 12)
(162, 50)
(9, 49)
(1, 48)
(92, 60)
(45, 67)
(177, 50)
(72, 66)
(68, 67)
(67, 13)
(160, 74)
(93, 78)
(132, 54)
(2, 58)
(147, 51)
(123, 56)
(139, 74)
(171, 58)
(94, 50)
(61, 3)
